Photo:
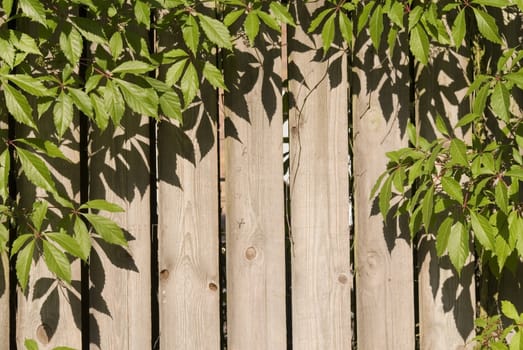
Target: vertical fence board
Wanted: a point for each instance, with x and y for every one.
(321, 275)
(446, 302)
(5, 280)
(188, 229)
(256, 316)
(120, 291)
(383, 253)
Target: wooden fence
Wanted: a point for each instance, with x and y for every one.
(226, 254)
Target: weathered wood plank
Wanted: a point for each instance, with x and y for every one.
(446, 302)
(5, 280)
(120, 291)
(255, 241)
(321, 273)
(383, 252)
(189, 229)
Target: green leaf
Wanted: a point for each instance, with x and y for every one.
(142, 12)
(458, 246)
(396, 13)
(500, 192)
(102, 204)
(500, 101)
(428, 208)
(376, 26)
(487, 26)
(175, 72)
(20, 242)
(459, 29)
(419, 44)
(116, 45)
(213, 75)
(34, 10)
(101, 116)
(45, 146)
(71, 44)
(281, 13)
(269, 21)
(385, 196)
(18, 106)
(452, 188)
(216, 31)
(467, 119)
(414, 17)
(30, 344)
(252, 26)
(345, 27)
(36, 170)
(24, 42)
(5, 167)
(516, 78)
(107, 229)
(442, 239)
(82, 101)
(327, 33)
(493, 3)
(57, 262)
(134, 67)
(38, 214)
(515, 171)
(68, 243)
(171, 106)
(458, 152)
(481, 100)
(232, 17)
(441, 126)
(316, 21)
(483, 231)
(23, 264)
(63, 113)
(7, 6)
(190, 84)
(191, 34)
(29, 84)
(81, 234)
(509, 310)
(141, 100)
(364, 15)
(90, 29)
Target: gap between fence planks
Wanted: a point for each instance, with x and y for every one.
(383, 252)
(321, 273)
(256, 317)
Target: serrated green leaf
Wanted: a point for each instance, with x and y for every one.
(500, 101)
(29, 84)
(38, 214)
(459, 29)
(82, 101)
(441, 126)
(19, 243)
(142, 12)
(18, 106)
(24, 42)
(57, 262)
(509, 310)
(458, 246)
(100, 114)
(481, 100)
(269, 21)
(442, 239)
(81, 234)
(345, 27)
(141, 100)
(493, 3)
(191, 34)
(45, 146)
(23, 264)
(458, 152)
(516, 78)
(213, 75)
(71, 44)
(419, 44)
(102, 204)
(7, 6)
(190, 84)
(116, 45)
(68, 243)
(171, 106)
(34, 10)
(385, 197)
(90, 29)
(452, 188)
(252, 26)
(500, 192)
(36, 170)
(515, 171)
(483, 231)
(316, 21)
(428, 208)
(414, 16)
(215, 31)
(5, 167)
(487, 26)
(134, 67)
(30, 344)
(364, 16)
(107, 229)
(63, 113)
(175, 72)
(376, 26)
(327, 32)
(467, 119)
(281, 13)
(232, 17)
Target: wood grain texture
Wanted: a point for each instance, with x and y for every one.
(321, 273)
(383, 252)
(446, 302)
(189, 230)
(120, 290)
(255, 242)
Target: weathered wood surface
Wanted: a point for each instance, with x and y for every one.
(189, 230)
(383, 252)
(446, 302)
(255, 243)
(5, 278)
(321, 272)
(120, 291)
